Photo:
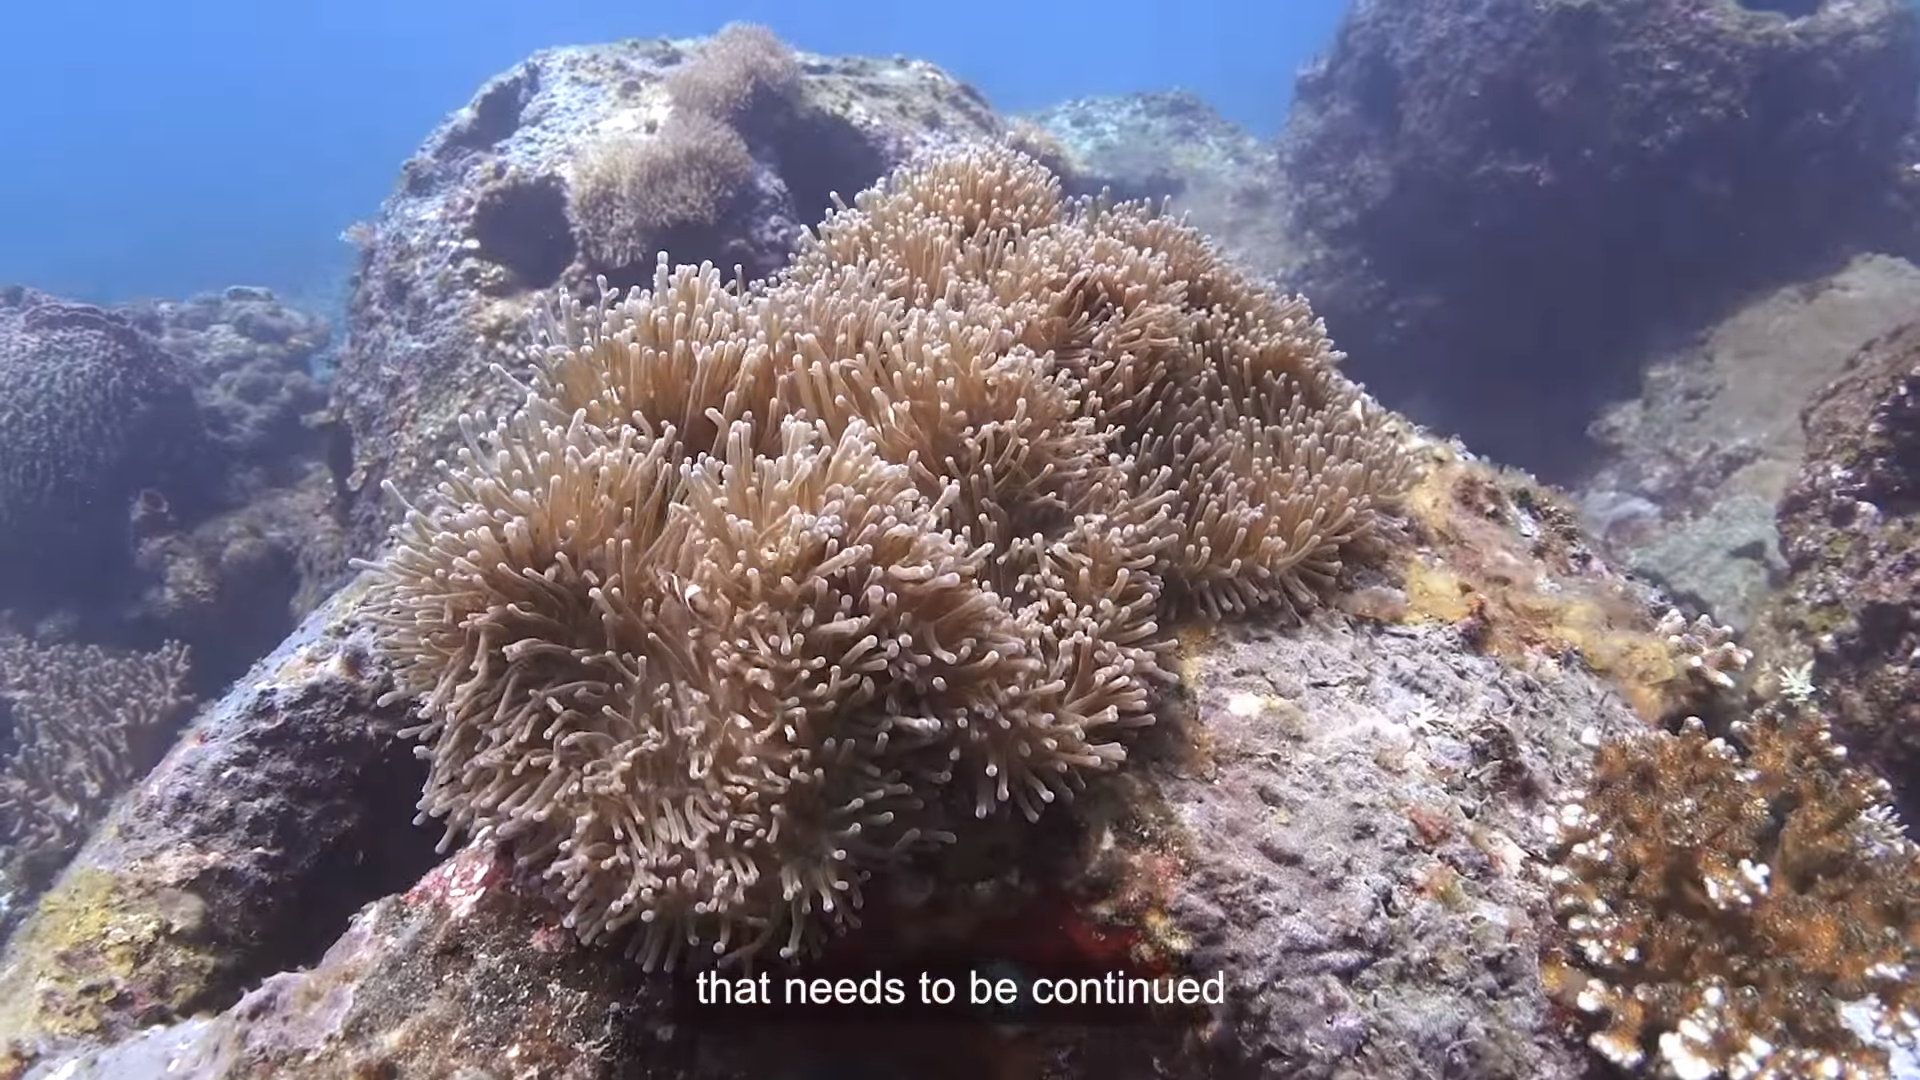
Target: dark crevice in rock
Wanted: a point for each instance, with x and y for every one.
(820, 154)
(523, 226)
(495, 114)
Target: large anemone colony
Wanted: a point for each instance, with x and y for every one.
(767, 586)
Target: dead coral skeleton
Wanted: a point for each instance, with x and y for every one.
(765, 588)
(1724, 903)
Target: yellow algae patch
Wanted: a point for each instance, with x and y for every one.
(100, 942)
(1502, 558)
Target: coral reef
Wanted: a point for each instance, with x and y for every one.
(84, 724)
(96, 415)
(251, 358)
(243, 852)
(164, 474)
(234, 582)
(858, 585)
(761, 585)
(1849, 612)
(1480, 185)
(1723, 903)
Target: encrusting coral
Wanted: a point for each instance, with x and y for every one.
(766, 587)
(1725, 902)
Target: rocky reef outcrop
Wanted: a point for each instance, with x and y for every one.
(1501, 200)
(163, 524)
(1689, 472)
(1845, 629)
(1343, 818)
(1175, 147)
(484, 223)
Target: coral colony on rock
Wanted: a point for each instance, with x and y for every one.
(997, 569)
(767, 587)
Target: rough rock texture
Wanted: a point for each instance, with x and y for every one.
(463, 977)
(1499, 196)
(1349, 850)
(478, 229)
(1340, 817)
(451, 978)
(1850, 527)
(282, 809)
(1176, 147)
(1694, 466)
(1361, 863)
(233, 585)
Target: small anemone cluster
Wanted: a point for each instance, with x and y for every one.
(768, 587)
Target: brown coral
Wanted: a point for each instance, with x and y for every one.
(1724, 903)
(767, 587)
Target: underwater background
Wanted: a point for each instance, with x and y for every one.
(1352, 540)
(165, 149)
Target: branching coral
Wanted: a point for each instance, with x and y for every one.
(83, 724)
(1710, 653)
(765, 588)
(1725, 902)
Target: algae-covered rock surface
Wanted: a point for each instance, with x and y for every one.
(1847, 621)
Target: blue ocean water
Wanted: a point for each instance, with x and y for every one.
(159, 149)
